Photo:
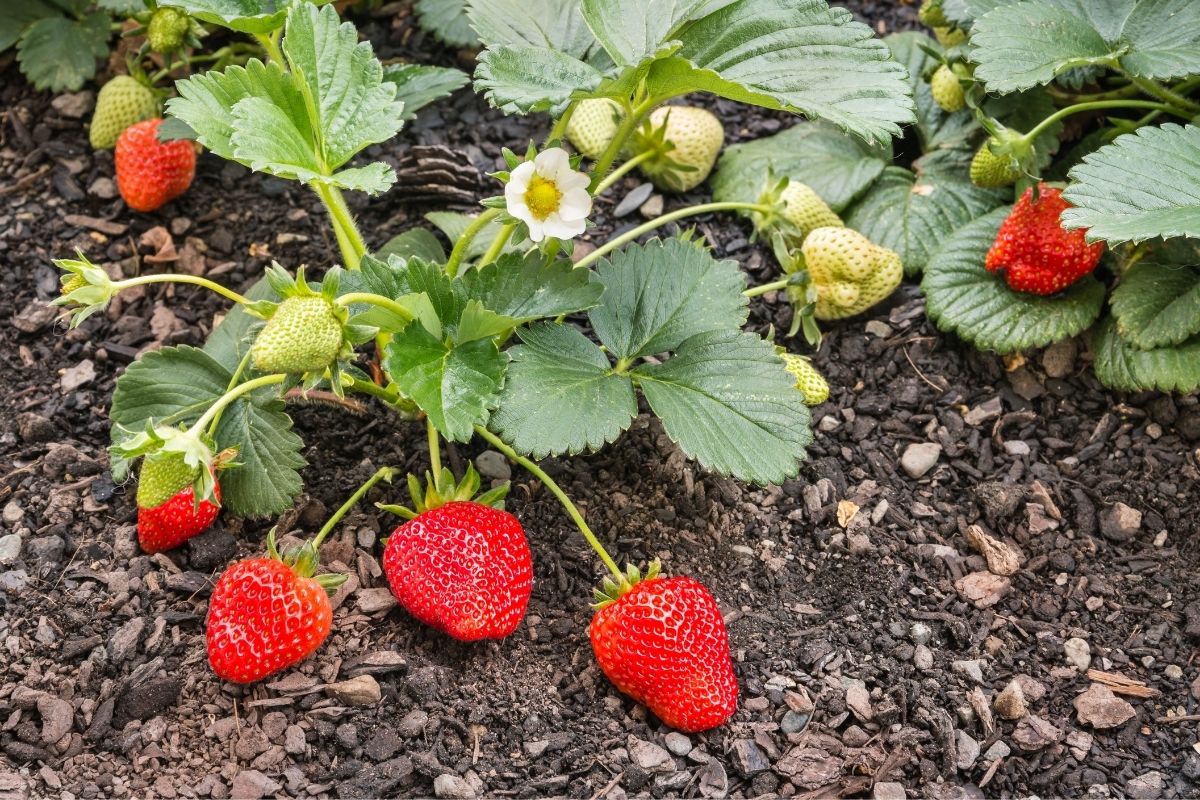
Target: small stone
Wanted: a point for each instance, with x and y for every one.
(973, 669)
(1120, 523)
(1173, 672)
(370, 601)
(12, 513)
(889, 790)
(919, 458)
(749, 759)
(294, 741)
(678, 743)
(1078, 653)
(923, 658)
(1102, 709)
(1080, 743)
(124, 642)
(361, 690)
(74, 105)
(633, 201)
(1010, 703)
(648, 755)
(413, 723)
(983, 589)
(78, 375)
(103, 188)
(58, 717)
(494, 466)
(250, 784)
(14, 581)
(858, 700)
(1034, 690)
(1058, 360)
(998, 750)
(878, 329)
(10, 549)
(1033, 733)
(1016, 447)
(968, 751)
(536, 747)
(855, 736)
(987, 410)
(451, 787)
(653, 207)
(1146, 787)
(920, 633)
(1002, 558)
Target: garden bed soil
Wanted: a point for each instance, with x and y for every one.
(858, 612)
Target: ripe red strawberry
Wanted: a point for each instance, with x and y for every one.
(263, 617)
(663, 643)
(1034, 251)
(151, 173)
(172, 523)
(463, 568)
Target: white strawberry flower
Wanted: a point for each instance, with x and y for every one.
(549, 196)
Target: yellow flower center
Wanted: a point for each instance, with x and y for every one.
(542, 197)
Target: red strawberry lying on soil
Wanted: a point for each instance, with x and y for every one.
(264, 617)
(172, 523)
(151, 173)
(1034, 251)
(463, 568)
(663, 643)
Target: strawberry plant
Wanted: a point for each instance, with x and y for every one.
(510, 338)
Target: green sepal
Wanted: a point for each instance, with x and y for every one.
(196, 449)
(611, 591)
(304, 561)
(494, 202)
(85, 287)
(446, 489)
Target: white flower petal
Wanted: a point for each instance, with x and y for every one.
(575, 204)
(570, 179)
(537, 230)
(560, 228)
(518, 179)
(549, 163)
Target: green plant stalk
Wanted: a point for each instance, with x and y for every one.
(171, 277)
(435, 449)
(374, 300)
(233, 381)
(381, 474)
(349, 239)
(224, 400)
(1156, 89)
(493, 252)
(628, 125)
(690, 211)
(270, 44)
(1097, 105)
(468, 235)
(557, 491)
(559, 128)
(1125, 92)
(766, 288)
(623, 170)
(387, 394)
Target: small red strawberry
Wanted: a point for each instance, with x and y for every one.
(663, 643)
(265, 616)
(151, 173)
(462, 568)
(172, 523)
(1034, 251)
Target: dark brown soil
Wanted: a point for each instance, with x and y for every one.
(863, 665)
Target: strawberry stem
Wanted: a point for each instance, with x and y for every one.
(435, 450)
(557, 491)
(233, 394)
(374, 300)
(773, 286)
(1099, 105)
(628, 125)
(622, 170)
(468, 235)
(559, 128)
(172, 277)
(498, 243)
(349, 239)
(381, 474)
(233, 381)
(658, 222)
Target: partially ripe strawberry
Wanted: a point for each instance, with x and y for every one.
(805, 209)
(122, 102)
(990, 171)
(163, 476)
(664, 644)
(303, 335)
(462, 568)
(850, 273)
(593, 125)
(167, 526)
(696, 135)
(810, 383)
(947, 90)
(264, 617)
(151, 173)
(1033, 250)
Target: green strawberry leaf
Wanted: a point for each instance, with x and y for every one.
(1030, 43)
(935, 127)
(631, 31)
(913, 212)
(1157, 305)
(18, 14)
(552, 24)
(59, 54)
(727, 401)
(658, 294)
(176, 385)
(447, 20)
(561, 394)
(454, 384)
(961, 296)
(124, 7)
(244, 16)
(837, 167)
(418, 85)
(1143, 185)
(414, 243)
(1121, 366)
(529, 287)
(522, 79)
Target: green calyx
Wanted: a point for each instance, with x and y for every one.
(173, 460)
(446, 489)
(167, 29)
(801, 291)
(304, 561)
(305, 332)
(611, 590)
(85, 287)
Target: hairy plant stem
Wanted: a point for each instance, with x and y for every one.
(233, 394)
(172, 277)
(623, 170)
(435, 449)
(773, 286)
(374, 300)
(557, 491)
(233, 381)
(460, 247)
(493, 252)
(1098, 105)
(349, 239)
(559, 129)
(690, 211)
(628, 125)
(381, 474)
(1156, 89)
(270, 45)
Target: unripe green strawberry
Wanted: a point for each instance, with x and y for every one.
(810, 382)
(697, 136)
(122, 102)
(163, 476)
(932, 14)
(850, 273)
(950, 37)
(805, 209)
(167, 29)
(947, 91)
(303, 335)
(593, 125)
(990, 171)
